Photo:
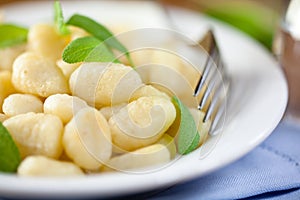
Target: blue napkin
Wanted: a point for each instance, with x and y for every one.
(270, 171)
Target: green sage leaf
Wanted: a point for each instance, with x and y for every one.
(88, 49)
(11, 35)
(188, 136)
(59, 19)
(101, 54)
(99, 31)
(9, 154)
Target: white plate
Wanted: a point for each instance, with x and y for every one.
(259, 100)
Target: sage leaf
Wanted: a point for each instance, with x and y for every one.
(59, 19)
(101, 54)
(11, 35)
(100, 32)
(9, 154)
(188, 136)
(88, 49)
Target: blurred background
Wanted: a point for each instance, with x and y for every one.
(257, 18)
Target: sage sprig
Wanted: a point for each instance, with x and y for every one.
(9, 154)
(188, 136)
(88, 49)
(11, 35)
(100, 32)
(59, 19)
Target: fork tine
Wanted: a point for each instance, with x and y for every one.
(218, 97)
(216, 82)
(209, 87)
(211, 83)
(209, 44)
(208, 41)
(220, 110)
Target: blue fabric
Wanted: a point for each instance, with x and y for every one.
(271, 171)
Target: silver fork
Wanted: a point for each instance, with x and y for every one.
(215, 84)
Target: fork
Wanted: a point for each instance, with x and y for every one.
(213, 87)
(215, 83)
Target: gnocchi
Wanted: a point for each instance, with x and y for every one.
(156, 154)
(87, 139)
(36, 134)
(16, 104)
(44, 166)
(91, 117)
(44, 40)
(64, 106)
(104, 84)
(142, 122)
(35, 74)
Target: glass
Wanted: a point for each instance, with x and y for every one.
(290, 61)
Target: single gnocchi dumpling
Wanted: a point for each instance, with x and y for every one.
(104, 84)
(87, 139)
(37, 75)
(152, 155)
(141, 122)
(16, 104)
(43, 39)
(44, 166)
(64, 106)
(36, 134)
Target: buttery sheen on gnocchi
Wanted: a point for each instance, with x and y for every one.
(87, 117)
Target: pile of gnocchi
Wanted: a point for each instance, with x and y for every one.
(88, 117)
